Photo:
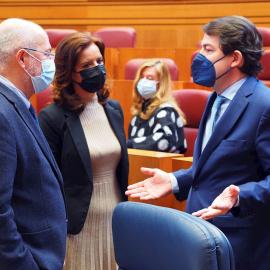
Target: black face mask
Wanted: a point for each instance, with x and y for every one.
(93, 78)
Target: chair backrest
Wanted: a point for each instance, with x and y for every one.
(265, 33)
(199, 44)
(117, 37)
(43, 99)
(265, 61)
(192, 58)
(133, 65)
(56, 35)
(192, 102)
(149, 237)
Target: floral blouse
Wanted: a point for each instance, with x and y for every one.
(163, 131)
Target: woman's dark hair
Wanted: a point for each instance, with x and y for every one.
(66, 56)
(238, 33)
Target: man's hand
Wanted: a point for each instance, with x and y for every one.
(157, 186)
(221, 205)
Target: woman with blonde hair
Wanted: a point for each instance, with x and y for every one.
(157, 122)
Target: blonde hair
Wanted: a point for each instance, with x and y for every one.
(163, 95)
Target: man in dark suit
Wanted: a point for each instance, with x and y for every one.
(32, 206)
(229, 182)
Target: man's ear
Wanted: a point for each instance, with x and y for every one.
(238, 59)
(20, 58)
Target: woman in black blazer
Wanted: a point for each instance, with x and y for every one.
(85, 131)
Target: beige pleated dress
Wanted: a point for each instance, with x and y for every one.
(92, 248)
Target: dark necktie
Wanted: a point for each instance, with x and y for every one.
(213, 118)
(33, 113)
(215, 110)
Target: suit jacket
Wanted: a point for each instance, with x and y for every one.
(238, 152)
(65, 135)
(32, 208)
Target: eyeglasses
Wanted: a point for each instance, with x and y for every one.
(51, 55)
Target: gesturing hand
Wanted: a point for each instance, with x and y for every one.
(221, 205)
(157, 186)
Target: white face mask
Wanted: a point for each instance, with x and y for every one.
(42, 81)
(147, 88)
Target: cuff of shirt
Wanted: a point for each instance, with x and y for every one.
(175, 187)
(237, 203)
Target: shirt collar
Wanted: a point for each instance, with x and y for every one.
(230, 92)
(17, 91)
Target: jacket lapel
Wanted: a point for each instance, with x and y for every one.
(76, 131)
(225, 124)
(25, 115)
(116, 122)
(198, 146)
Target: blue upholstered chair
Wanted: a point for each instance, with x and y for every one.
(149, 237)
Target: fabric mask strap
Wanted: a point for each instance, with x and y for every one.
(220, 58)
(224, 72)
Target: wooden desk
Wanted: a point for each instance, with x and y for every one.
(181, 163)
(152, 159)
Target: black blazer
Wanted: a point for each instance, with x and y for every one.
(63, 130)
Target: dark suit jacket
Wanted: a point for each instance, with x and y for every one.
(65, 135)
(238, 153)
(32, 208)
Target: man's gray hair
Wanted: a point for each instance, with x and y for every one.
(16, 34)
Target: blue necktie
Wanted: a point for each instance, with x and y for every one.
(215, 111)
(213, 119)
(33, 113)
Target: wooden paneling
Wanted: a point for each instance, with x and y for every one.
(122, 92)
(181, 163)
(152, 159)
(168, 24)
(116, 62)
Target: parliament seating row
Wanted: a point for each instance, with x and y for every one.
(124, 58)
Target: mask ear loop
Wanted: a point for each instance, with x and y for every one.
(220, 58)
(33, 56)
(226, 71)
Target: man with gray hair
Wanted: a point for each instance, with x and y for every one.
(32, 205)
